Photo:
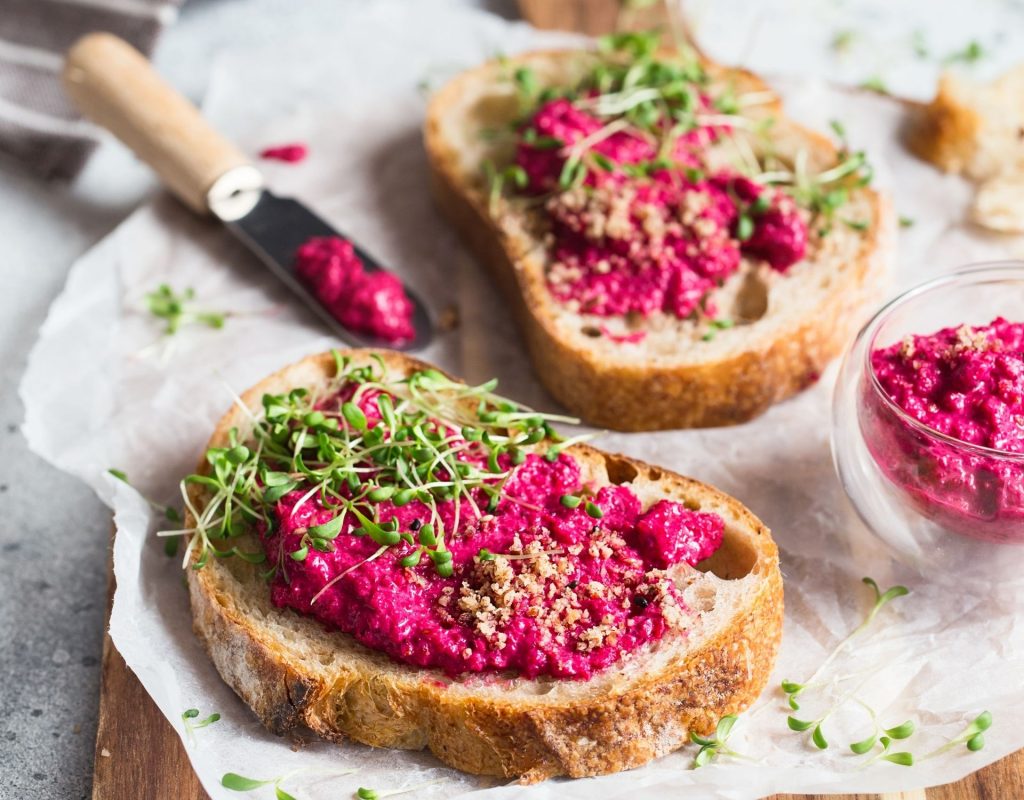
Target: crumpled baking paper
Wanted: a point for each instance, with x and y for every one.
(104, 389)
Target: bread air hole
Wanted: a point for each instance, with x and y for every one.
(619, 470)
(751, 299)
(735, 559)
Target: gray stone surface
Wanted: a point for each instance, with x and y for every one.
(54, 533)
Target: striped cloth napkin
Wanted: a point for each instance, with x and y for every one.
(38, 126)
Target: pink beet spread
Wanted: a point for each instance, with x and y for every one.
(290, 153)
(374, 303)
(565, 594)
(967, 383)
(661, 242)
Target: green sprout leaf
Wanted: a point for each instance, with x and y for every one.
(715, 745)
(904, 731)
(239, 783)
(696, 739)
(875, 84)
(725, 726)
(744, 227)
(354, 416)
(862, 747)
(971, 54)
(173, 307)
(329, 530)
(980, 723)
(843, 39)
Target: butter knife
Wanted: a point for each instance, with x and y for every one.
(116, 87)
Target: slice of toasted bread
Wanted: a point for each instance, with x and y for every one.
(976, 130)
(973, 128)
(291, 670)
(792, 324)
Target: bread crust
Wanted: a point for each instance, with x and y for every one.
(647, 395)
(381, 703)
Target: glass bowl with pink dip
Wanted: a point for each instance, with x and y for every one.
(928, 415)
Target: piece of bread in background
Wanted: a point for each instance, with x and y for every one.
(595, 17)
(977, 130)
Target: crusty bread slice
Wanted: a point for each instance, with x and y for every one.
(975, 129)
(291, 670)
(792, 325)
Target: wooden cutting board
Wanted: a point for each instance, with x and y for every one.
(140, 757)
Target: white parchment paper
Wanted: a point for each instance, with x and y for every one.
(104, 390)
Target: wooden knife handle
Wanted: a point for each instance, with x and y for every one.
(116, 87)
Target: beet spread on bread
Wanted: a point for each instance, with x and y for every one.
(678, 252)
(384, 553)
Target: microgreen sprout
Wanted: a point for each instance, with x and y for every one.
(971, 53)
(364, 793)
(240, 783)
(902, 758)
(716, 325)
(906, 222)
(875, 84)
(842, 40)
(173, 307)
(880, 735)
(192, 724)
(793, 689)
(570, 500)
(639, 93)
(973, 736)
(422, 439)
(715, 745)
(513, 175)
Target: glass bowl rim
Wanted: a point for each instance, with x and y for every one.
(969, 274)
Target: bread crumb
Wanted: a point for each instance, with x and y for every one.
(448, 320)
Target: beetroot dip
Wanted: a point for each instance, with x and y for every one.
(661, 241)
(537, 588)
(966, 383)
(373, 303)
(289, 153)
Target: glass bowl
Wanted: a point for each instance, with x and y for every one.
(931, 497)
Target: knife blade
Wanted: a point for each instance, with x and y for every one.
(114, 85)
(273, 228)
